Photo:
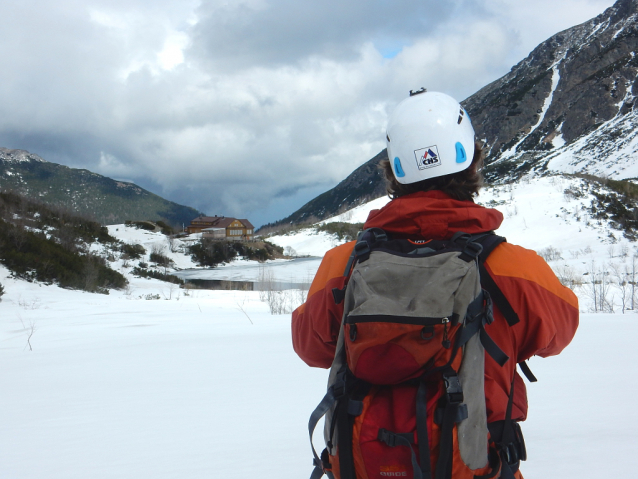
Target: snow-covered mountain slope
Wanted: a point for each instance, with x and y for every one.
(609, 151)
(570, 102)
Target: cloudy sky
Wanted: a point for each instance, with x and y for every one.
(245, 108)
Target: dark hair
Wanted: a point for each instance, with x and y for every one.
(464, 185)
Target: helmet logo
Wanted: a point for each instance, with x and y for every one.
(427, 157)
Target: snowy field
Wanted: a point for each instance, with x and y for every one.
(161, 382)
(208, 386)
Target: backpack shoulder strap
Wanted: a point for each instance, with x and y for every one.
(489, 241)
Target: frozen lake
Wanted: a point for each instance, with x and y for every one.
(281, 274)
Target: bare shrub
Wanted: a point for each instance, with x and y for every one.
(279, 301)
(550, 254)
(599, 289)
(621, 275)
(568, 277)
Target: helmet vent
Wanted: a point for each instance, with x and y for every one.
(461, 114)
(387, 137)
(421, 90)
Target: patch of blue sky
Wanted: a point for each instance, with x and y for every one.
(389, 48)
(390, 52)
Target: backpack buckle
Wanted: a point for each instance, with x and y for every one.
(339, 386)
(362, 250)
(471, 251)
(453, 389)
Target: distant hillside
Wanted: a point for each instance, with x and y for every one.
(83, 192)
(569, 107)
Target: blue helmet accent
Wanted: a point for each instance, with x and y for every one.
(461, 157)
(398, 170)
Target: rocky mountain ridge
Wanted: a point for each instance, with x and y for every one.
(580, 84)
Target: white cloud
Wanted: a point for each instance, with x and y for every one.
(233, 106)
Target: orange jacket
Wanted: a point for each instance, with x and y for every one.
(548, 311)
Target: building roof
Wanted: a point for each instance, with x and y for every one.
(221, 221)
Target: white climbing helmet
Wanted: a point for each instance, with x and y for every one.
(429, 134)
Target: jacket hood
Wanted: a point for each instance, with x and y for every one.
(433, 215)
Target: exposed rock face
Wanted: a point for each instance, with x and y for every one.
(569, 86)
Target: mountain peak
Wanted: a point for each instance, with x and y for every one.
(18, 156)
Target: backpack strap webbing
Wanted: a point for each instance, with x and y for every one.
(422, 431)
(527, 372)
(490, 241)
(510, 445)
(454, 398)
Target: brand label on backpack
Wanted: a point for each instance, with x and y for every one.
(393, 471)
(427, 157)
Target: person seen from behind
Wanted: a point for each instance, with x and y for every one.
(433, 175)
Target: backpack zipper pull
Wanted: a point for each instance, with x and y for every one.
(353, 332)
(446, 342)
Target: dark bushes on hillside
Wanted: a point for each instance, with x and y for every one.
(66, 229)
(132, 251)
(157, 256)
(146, 273)
(166, 229)
(214, 252)
(34, 257)
(344, 231)
(144, 225)
(58, 256)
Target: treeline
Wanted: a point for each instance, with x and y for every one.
(49, 245)
(619, 204)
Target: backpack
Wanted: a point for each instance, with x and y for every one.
(405, 392)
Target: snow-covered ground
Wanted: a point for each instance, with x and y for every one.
(208, 386)
(157, 381)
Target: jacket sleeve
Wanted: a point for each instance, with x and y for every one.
(548, 311)
(315, 324)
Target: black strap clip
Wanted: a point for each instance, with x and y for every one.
(471, 251)
(339, 386)
(369, 237)
(338, 294)
(453, 388)
(394, 439)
